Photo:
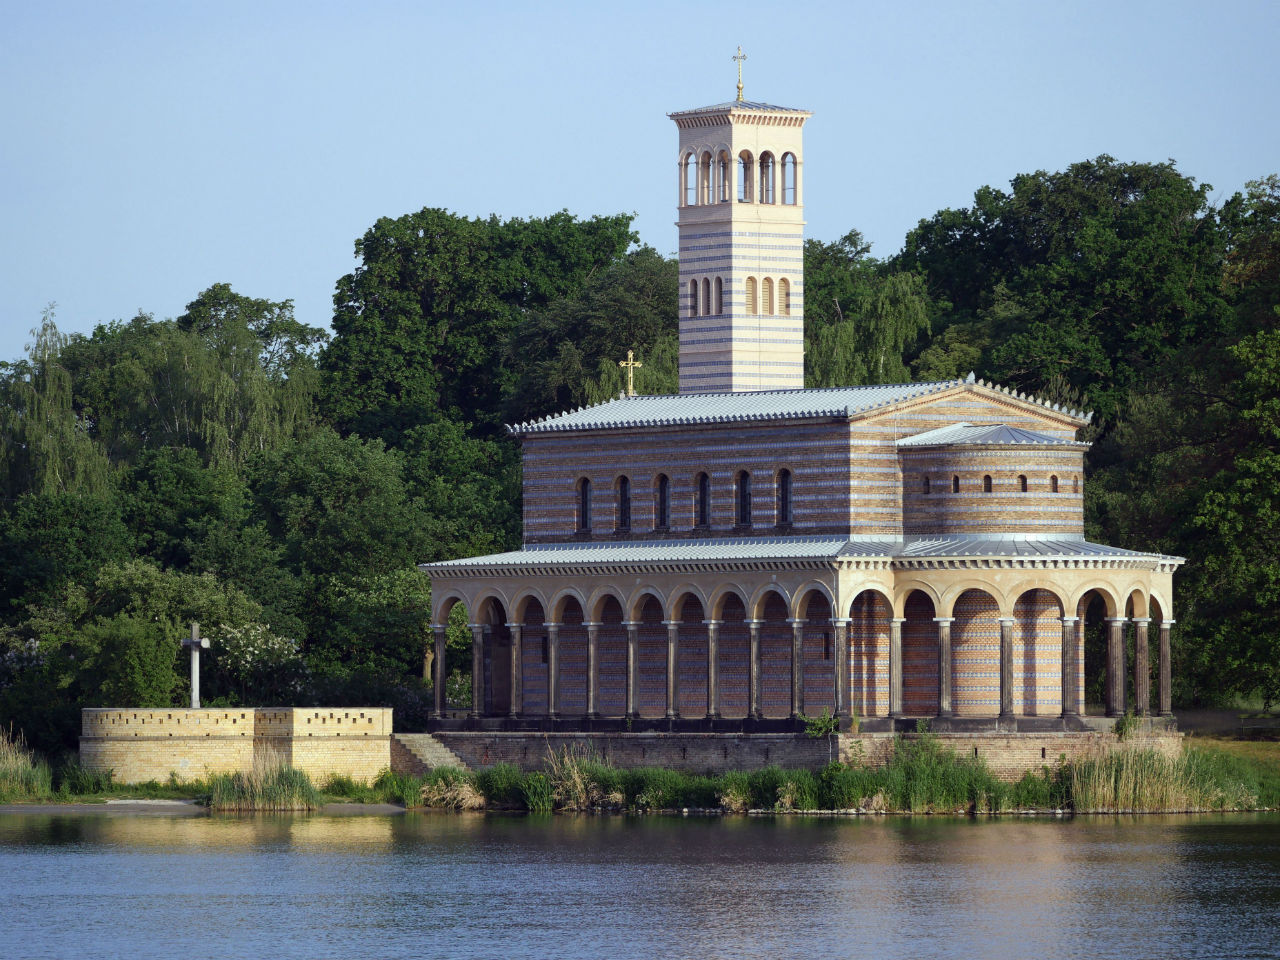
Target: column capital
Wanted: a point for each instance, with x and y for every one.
(1069, 619)
(1009, 620)
(944, 619)
(671, 623)
(712, 623)
(514, 626)
(592, 623)
(632, 623)
(1141, 619)
(1116, 619)
(898, 620)
(841, 621)
(1167, 623)
(796, 621)
(477, 626)
(439, 627)
(753, 623)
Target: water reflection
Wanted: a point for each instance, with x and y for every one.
(476, 886)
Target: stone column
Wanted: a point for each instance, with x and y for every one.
(1115, 666)
(944, 665)
(1141, 668)
(1166, 669)
(895, 666)
(840, 654)
(753, 672)
(517, 670)
(673, 668)
(477, 669)
(593, 666)
(633, 638)
(553, 670)
(797, 667)
(1006, 666)
(713, 668)
(1069, 667)
(438, 667)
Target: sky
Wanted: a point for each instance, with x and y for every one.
(151, 149)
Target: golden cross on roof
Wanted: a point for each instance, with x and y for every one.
(630, 365)
(740, 57)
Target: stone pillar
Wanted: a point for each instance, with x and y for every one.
(553, 670)
(1141, 668)
(593, 666)
(633, 639)
(753, 672)
(895, 666)
(441, 638)
(1069, 667)
(673, 668)
(1115, 666)
(840, 654)
(1006, 666)
(713, 668)
(944, 665)
(1166, 669)
(797, 667)
(517, 670)
(477, 669)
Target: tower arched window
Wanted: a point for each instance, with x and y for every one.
(784, 297)
(704, 178)
(724, 166)
(661, 502)
(766, 177)
(986, 484)
(706, 297)
(702, 502)
(746, 176)
(955, 484)
(784, 497)
(719, 296)
(1053, 484)
(925, 486)
(743, 499)
(752, 304)
(1022, 483)
(766, 289)
(584, 505)
(624, 504)
(689, 180)
(693, 298)
(789, 178)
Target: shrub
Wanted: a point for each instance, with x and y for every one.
(450, 789)
(502, 785)
(734, 795)
(392, 787)
(538, 795)
(72, 778)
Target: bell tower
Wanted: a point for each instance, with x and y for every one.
(741, 223)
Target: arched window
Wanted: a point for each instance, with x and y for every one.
(1075, 484)
(766, 177)
(767, 290)
(704, 179)
(1053, 484)
(784, 297)
(693, 298)
(789, 178)
(784, 497)
(743, 498)
(752, 305)
(955, 484)
(719, 296)
(706, 297)
(723, 167)
(702, 503)
(624, 504)
(584, 505)
(1022, 483)
(986, 484)
(661, 502)
(689, 180)
(925, 486)
(746, 176)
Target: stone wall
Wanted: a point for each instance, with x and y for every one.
(145, 744)
(1008, 756)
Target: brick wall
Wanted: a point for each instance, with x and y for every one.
(140, 745)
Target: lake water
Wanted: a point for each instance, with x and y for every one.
(443, 885)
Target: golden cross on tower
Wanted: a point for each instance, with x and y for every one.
(740, 57)
(630, 365)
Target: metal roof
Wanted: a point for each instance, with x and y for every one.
(737, 105)
(798, 548)
(970, 433)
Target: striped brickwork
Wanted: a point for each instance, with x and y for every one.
(1037, 654)
(818, 653)
(869, 655)
(775, 659)
(919, 658)
(573, 661)
(533, 660)
(735, 658)
(692, 653)
(975, 654)
(611, 646)
(651, 661)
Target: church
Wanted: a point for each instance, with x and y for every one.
(748, 553)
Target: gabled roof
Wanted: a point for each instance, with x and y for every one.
(695, 408)
(971, 433)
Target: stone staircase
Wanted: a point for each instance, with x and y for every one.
(416, 753)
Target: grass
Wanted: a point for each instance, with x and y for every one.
(23, 775)
(263, 789)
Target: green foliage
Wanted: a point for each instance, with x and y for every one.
(1126, 725)
(23, 775)
(502, 785)
(1145, 781)
(537, 792)
(264, 789)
